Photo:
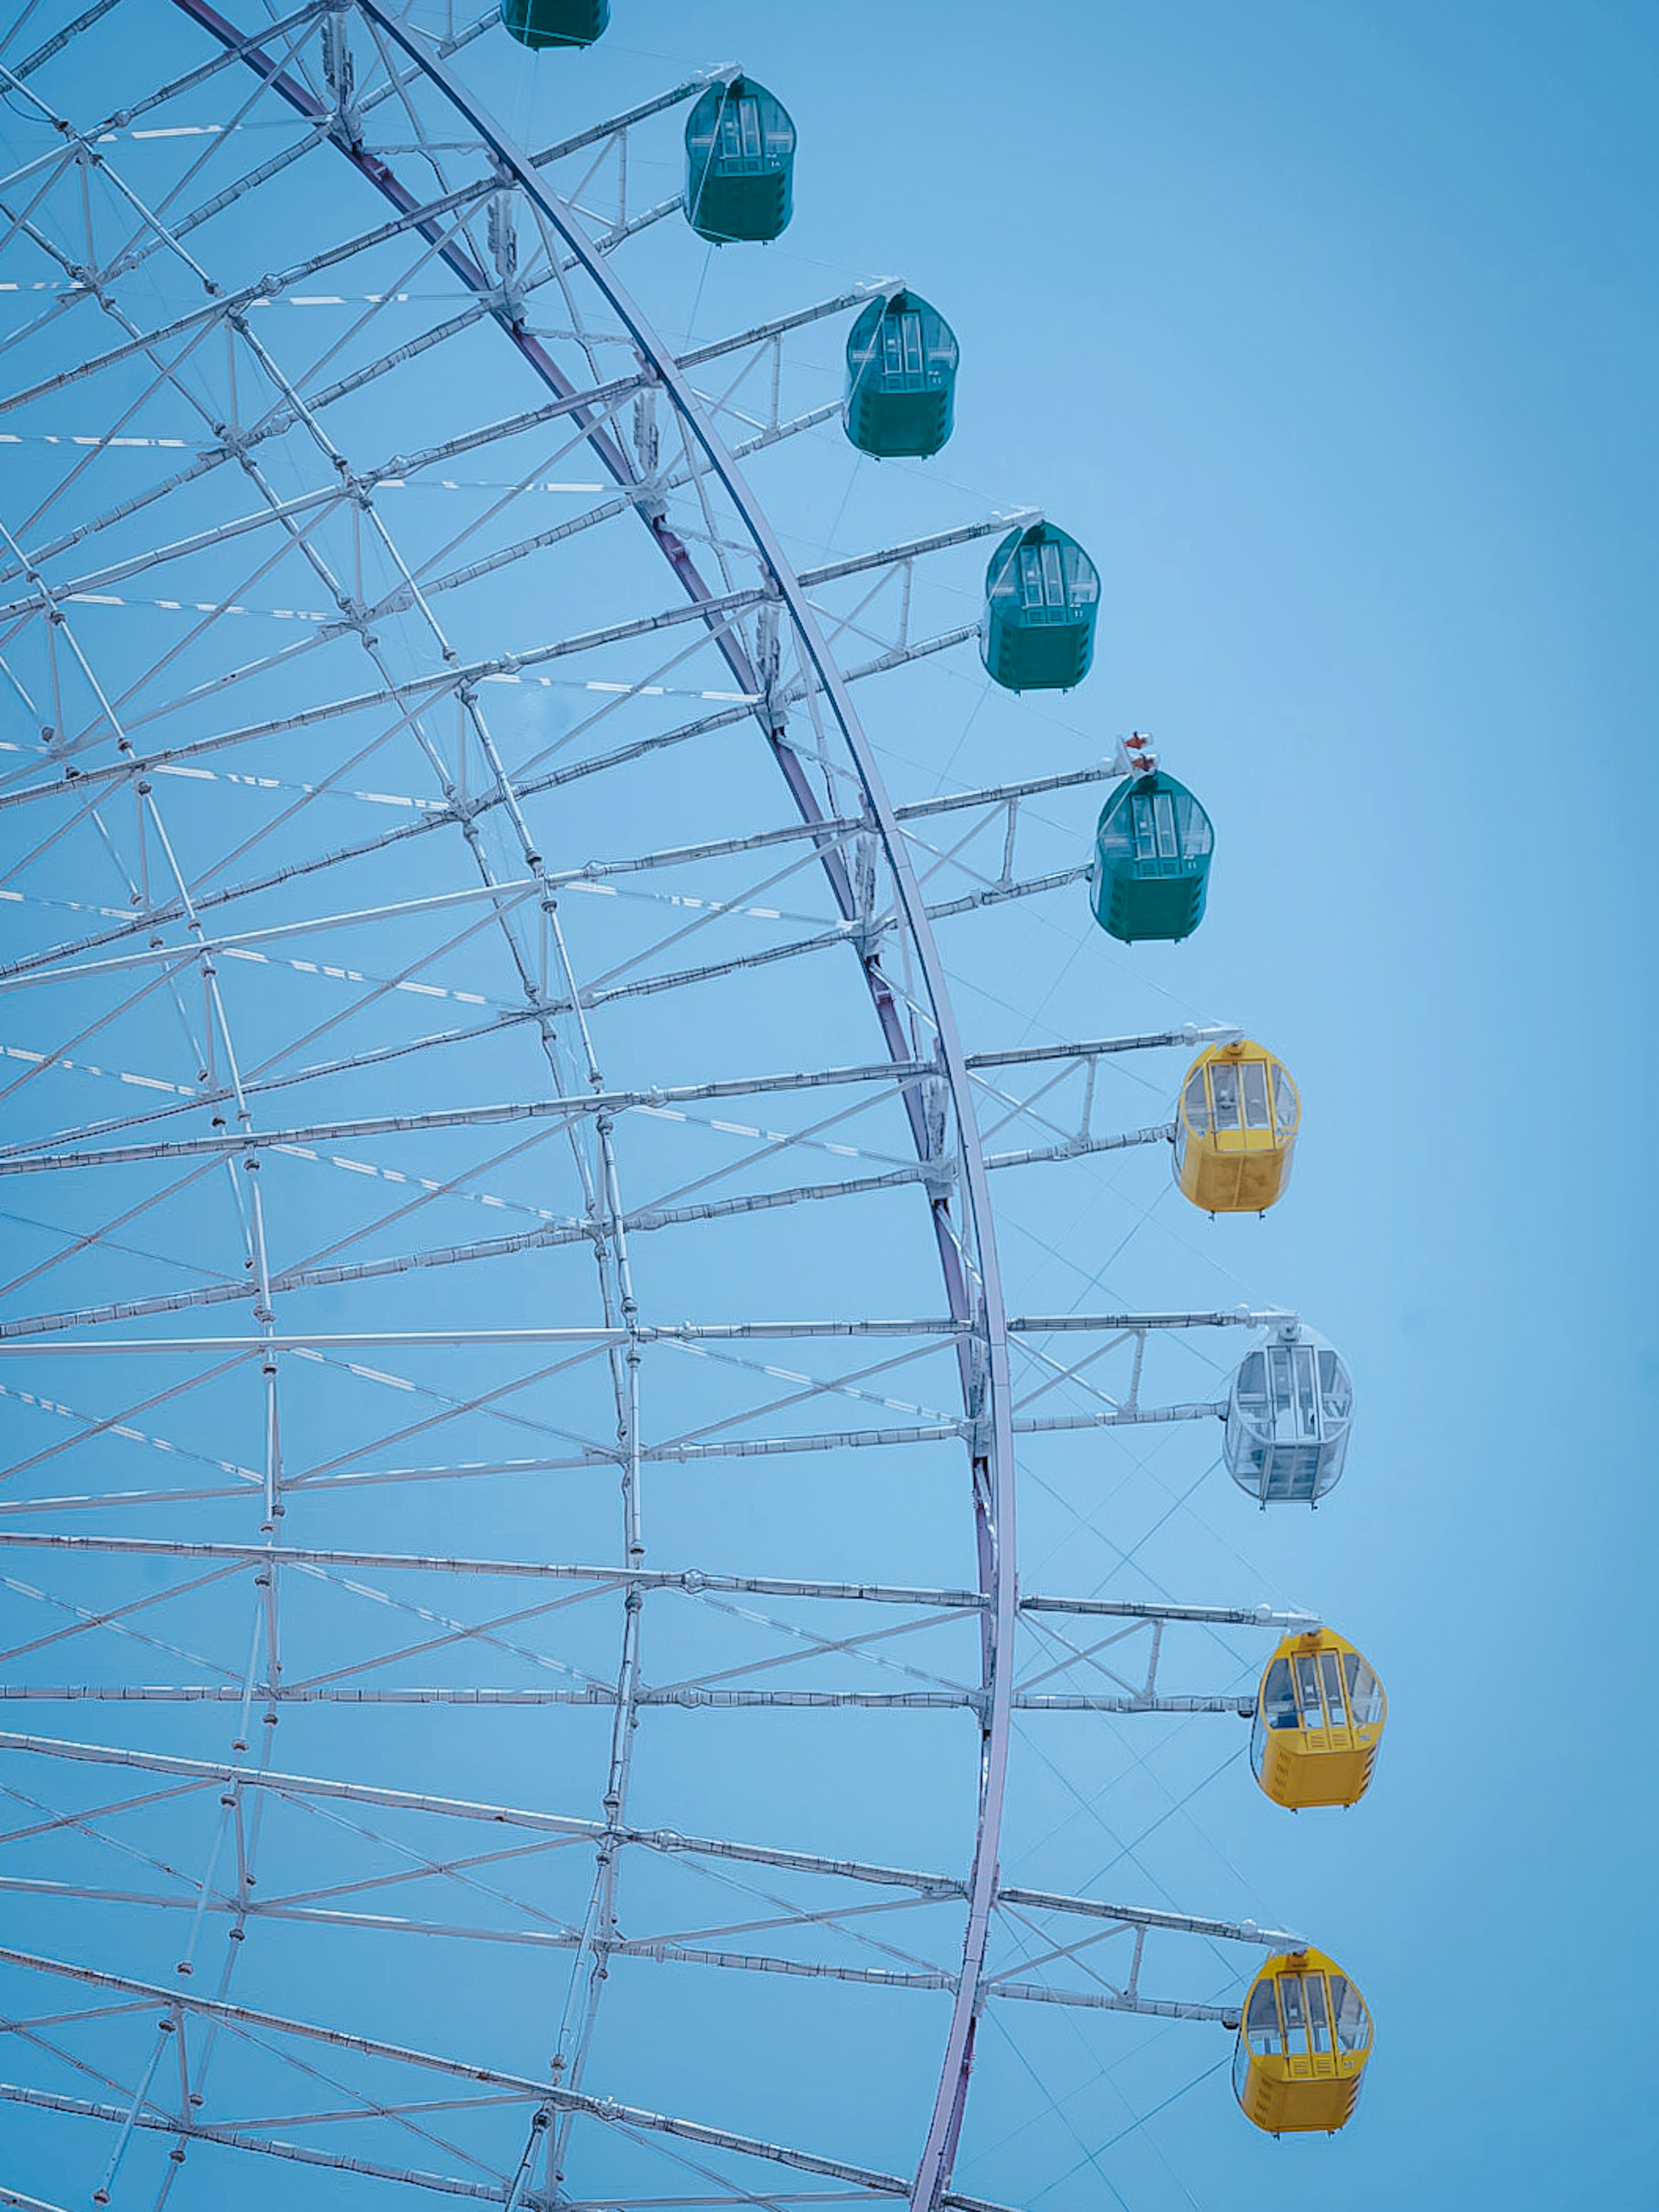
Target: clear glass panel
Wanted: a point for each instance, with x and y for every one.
(1250, 1391)
(941, 341)
(1279, 1381)
(1223, 1091)
(1030, 575)
(1262, 2023)
(741, 126)
(1287, 1106)
(1241, 2068)
(1195, 1105)
(1319, 2026)
(1293, 1473)
(1305, 1369)
(1053, 581)
(1163, 814)
(1307, 1689)
(1353, 2022)
(1278, 1698)
(1082, 584)
(1197, 836)
(913, 345)
(1335, 1390)
(1254, 1073)
(1330, 1679)
(1295, 2019)
(740, 129)
(1146, 834)
(1364, 1690)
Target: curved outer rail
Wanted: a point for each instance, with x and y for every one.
(986, 1389)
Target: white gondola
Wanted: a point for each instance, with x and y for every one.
(1289, 1413)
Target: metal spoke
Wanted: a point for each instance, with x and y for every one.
(659, 1840)
(605, 2110)
(235, 2139)
(17, 1160)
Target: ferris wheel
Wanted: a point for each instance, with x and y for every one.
(486, 1109)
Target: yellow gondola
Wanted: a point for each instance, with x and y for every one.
(1319, 1718)
(1304, 2044)
(1236, 1129)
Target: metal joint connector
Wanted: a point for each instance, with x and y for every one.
(938, 1175)
(650, 497)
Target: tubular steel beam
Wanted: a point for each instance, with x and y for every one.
(605, 2110)
(222, 1773)
(858, 296)
(692, 1580)
(941, 541)
(1034, 1055)
(531, 1339)
(599, 132)
(1074, 1148)
(350, 1129)
(1000, 794)
(160, 2122)
(665, 1951)
(604, 1694)
(19, 1337)
(24, 1159)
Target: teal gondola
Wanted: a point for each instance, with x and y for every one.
(740, 163)
(1152, 851)
(902, 358)
(539, 23)
(1042, 598)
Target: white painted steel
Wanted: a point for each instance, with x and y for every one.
(849, 838)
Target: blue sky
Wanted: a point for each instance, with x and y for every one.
(1329, 331)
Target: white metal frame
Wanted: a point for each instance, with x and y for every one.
(782, 638)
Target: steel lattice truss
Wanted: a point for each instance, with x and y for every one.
(446, 762)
